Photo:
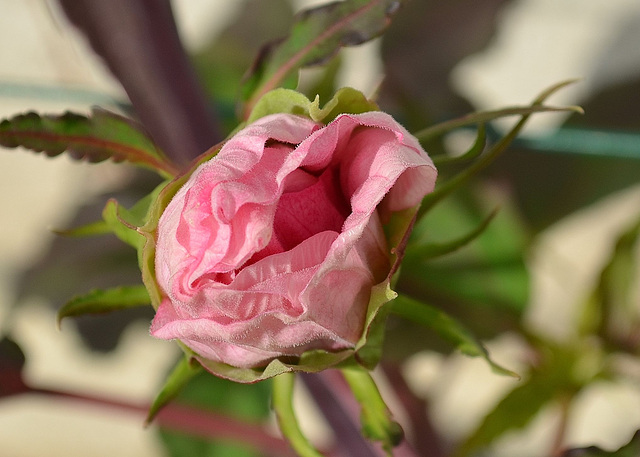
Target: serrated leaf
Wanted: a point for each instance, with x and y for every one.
(102, 135)
(447, 327)
(316, 36)
(105, 300)
(377, 421)
(181, 374)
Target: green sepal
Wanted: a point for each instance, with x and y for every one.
(104, 300)
(376, 419)
(92, 229)
(282, 404)
(421, 252)
(447, 327)
(181, 374)
(346, 100)
(472, 153)
(494, 151)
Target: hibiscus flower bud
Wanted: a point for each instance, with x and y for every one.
(272, 248)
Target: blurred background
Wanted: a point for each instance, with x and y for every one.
(568, 189)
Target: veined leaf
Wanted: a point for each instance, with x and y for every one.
(447, 327)
(102, 301)
(102, 135)
(316, 36)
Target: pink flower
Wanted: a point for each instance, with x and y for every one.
(272, 247)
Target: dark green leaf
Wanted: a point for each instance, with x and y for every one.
(316, 36)
(102, 135)
(102, 301)
(446, 326)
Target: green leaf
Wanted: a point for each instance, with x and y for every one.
(447, 327)
(181, 374)
(377, 422)
(105, 300)
(282, 403)
(560, 373)
(316, 36)
(611, 308)
(102, 135)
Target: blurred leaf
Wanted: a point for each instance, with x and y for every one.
(427, 40)
(561, 372)
(315, 37)
(222, 63)
(91, 229)
(243, 401)
(610, 309)
(377, 421)
(101, 136)
(103, 301)
(182, 373)
(12, 361)
(631, 449)
(484, 286)
(447, 327)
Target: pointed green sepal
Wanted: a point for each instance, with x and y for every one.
(422, 252)
(282, 404)
(447, 327)
(105, 300)
(377, 422)
(472, 153)
(92, 229)
(181, 374)
(346, 100)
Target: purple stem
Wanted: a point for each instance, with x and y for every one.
(139, 42)
(335, 401)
